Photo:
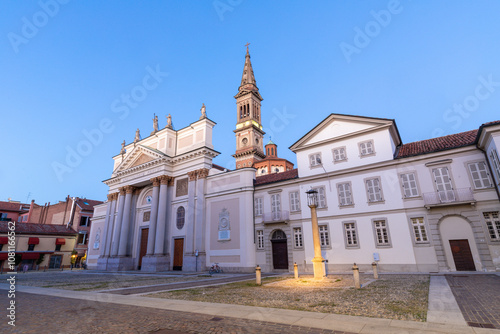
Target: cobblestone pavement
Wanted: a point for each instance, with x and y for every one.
(182, 285)
(478, 297)
(48, 314)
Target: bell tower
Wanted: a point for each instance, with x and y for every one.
(249, 134)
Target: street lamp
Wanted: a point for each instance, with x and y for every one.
(318, 267)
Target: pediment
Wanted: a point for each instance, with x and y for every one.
(140, 155)
(337, 126)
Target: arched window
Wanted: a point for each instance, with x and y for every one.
(181, 216)
(241, 111)
(278, 234)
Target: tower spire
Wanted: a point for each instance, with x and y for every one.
(248, 83)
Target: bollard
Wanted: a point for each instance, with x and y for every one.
(375, 271)
(296, 270)
(258, 275)
(355, 273)
(44, 268)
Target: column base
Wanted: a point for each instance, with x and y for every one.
(155, 263)
(102, 263)
(318, 268)
(120, 263)
(193, 263)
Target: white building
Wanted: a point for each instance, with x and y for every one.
(427, 206)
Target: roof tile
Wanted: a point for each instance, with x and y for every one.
(32, 228)
(277, 177)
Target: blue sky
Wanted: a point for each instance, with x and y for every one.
(67, 65)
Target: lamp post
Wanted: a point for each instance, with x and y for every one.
(318, 267)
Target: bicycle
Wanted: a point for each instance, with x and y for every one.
(215, 269)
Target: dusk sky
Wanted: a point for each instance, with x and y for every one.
(72, 84)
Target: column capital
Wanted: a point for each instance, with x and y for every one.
(171, 181)
(193, 175)
(155, 181)
(129, 189)
(203, 173)
(111, 197)
(137, 191)
(165, 179)
(122, 190)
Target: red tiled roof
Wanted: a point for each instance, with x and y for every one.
(87, 204)
(277, 177)
(10, 206)
(437, 144)
(31, 228)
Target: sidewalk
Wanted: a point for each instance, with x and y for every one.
(444, 315)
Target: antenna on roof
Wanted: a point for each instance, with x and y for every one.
(27, 197)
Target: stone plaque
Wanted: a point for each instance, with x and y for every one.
(181, 188)
(145, 216)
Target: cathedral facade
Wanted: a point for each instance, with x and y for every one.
(428, 206)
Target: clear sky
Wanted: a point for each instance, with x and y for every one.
(67, 68)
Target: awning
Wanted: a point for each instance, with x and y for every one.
(60, 241)
(4, 240)
(30, 256)
(3, 256)
(33, 241)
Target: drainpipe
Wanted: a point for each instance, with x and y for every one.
(72, 214)
(31, 210)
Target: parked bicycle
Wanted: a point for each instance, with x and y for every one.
(215, 269)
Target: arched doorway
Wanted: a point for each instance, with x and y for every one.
(280, 250)
(459, 244)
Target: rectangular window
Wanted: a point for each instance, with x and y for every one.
(444, 186)
(339, 154)
(493, 224)
(276, 206)
(373, 190)
(321, 197)
(297, 237)
(495, 163)
(3, 215)
(351, 236)
(409, 183)
(366, 148)
(381, 233)
(294, 201)
(31, 247)
(82, 238)
(345, 195)
(315, 159)
(58, 248)
(260, 239)
(419, 230)
(480, 176)
(324, 237)
(258, 206)
(84, 221)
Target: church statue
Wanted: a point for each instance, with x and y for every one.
(155, 124)
(137, 136)
(123, 148)
(169, 121)
(203, 111)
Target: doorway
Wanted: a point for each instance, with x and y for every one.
(280, 250)
(178, 254)
(144, 245)
(462, 256)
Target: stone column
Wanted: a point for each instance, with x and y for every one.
(106, 224)
(112, 222)
(118, 223)
(170, 196)
(200, 227)
(123, 248)
(190, 217)
(162, 215)
(318, 266)
(153, 216)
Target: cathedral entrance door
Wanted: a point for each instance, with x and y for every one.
(280, 250)
(178, 253)
(144, 245)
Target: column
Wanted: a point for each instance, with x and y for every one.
(106, 224)
(118, 223)
(162, 215)
(122, 250)
(168, 224)
(112, 222)
(199, 228)
(153, 217)
(190, 212)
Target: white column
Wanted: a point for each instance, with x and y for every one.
(199, 242)
(153, 216)
(118, 223)
(162, 215)
(106, 225)
(190, 212)
(112, 222)
(122, 250)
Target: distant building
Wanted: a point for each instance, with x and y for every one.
(14, 211)
(272, 163)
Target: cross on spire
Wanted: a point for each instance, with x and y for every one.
(247, 46)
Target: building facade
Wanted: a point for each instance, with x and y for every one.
(428, 206)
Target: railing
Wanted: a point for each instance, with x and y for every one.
(449, 197)
(275, 217)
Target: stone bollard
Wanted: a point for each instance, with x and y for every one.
(258, 280)
(375, 271)
(355, 273)
(296, 270)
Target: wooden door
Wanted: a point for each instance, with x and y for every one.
(144, 245)
(462, 255)
(280, 254)
(178, 254)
